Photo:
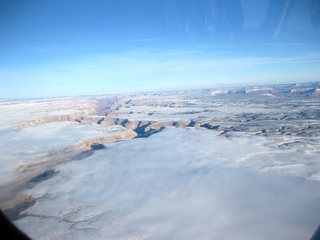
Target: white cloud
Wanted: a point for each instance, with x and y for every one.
(177, 184)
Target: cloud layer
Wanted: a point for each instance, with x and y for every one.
(177, 184)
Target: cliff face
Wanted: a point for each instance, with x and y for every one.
(50, 119)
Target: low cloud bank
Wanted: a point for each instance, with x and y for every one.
(177, 184)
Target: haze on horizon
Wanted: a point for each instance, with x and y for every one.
(58, 48)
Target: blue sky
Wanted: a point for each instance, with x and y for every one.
(55, 48)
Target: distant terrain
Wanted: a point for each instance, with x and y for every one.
(176, 141)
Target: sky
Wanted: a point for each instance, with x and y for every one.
(59, 48)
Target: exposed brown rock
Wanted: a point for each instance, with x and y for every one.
(107, 121)
(20, 198)
(91, 119)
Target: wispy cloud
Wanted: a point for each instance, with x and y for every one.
(143, 70)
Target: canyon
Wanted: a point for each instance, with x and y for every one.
(38, 136)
